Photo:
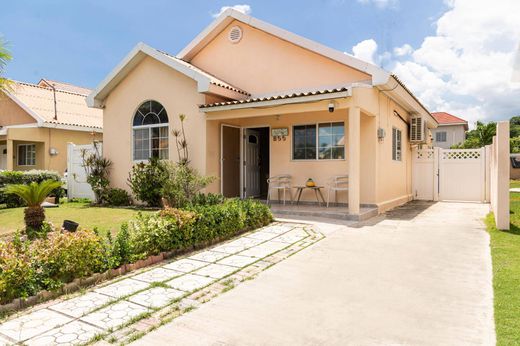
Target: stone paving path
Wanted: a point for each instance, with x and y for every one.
(120, 302)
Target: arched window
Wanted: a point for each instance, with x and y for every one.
(150, 129)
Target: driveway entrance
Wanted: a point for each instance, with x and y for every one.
(421, 275)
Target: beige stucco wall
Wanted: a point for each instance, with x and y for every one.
(12, 114)
(44, 139)
(262, 63)
(455, 134)
(394, 178)
(152, 80)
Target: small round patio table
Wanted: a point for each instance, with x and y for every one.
(317, 191)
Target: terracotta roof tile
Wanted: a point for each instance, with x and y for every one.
(71, 107)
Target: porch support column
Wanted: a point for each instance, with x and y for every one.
(10, 155)
(354, 159)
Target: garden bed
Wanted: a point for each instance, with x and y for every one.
(31, 272)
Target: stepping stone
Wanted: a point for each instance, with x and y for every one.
(216, 271)
(32, 324)
(264, 250)
(79, 306)
(292, 236)
(278, 229)
(157, 275)
(261, 235)
(237, 245)
(189, 282)
(238, 261)
(73, 333)
(209, 256)
(114, 315)
(156, 297)
(185, 265)
(123, 288)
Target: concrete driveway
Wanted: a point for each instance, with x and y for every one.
(419, 276)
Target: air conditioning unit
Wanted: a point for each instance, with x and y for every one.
(417, 129)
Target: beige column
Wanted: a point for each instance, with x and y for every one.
(354, 159)
(502, 178)
(10, 155)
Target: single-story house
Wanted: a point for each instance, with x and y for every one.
(259, 102)
(451, 130)
(38, 120)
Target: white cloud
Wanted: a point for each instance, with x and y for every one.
(405, 49)
(244, 8)
(469, 66)
(381, 4)
(366, 50)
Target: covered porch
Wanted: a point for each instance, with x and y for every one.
(316, 136)
(21, 155)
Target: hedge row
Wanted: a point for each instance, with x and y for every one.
(46, 264)
(27, 177)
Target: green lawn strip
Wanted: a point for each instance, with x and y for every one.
(104, 218)
(505, 252)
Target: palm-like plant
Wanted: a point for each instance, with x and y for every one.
(33, 195)
(5, 57)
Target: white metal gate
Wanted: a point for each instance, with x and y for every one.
(77, 186)
(449, 174)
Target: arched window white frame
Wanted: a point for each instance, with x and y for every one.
(150, 132)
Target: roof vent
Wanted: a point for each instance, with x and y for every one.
(235, 34)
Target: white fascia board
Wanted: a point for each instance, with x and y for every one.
(379, 76)
(279, 102)
(72, 127)
(29, 111)
(96, 98)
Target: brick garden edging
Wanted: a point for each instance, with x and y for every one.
(75, 285)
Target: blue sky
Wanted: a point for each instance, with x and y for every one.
(81, 41)
(456, 55)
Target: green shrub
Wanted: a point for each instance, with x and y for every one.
(17, 273)
(208, 199)
(147, 180)
(183, 184)
(63, 257)
(27, 177)
(118, 197)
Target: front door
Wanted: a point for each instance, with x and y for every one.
(230, 160)
(252, 163)
(3, 157)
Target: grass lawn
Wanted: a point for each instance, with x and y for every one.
(505, 250)
(85, 215)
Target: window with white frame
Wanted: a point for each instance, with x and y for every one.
(440, 136)
(26, 154)
(323, 141)
(396, 144)
(150, 132)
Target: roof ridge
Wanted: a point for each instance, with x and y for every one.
(47, 88)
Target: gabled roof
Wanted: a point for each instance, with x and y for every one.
(71, 111)
(379, 76)
(204, 80)
(64, 86)
(444, 118)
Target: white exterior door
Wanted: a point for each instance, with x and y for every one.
(3, 157)
(449, 174)
(251, 163)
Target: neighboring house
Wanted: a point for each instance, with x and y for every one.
(451, 130)
(261, 101)
(38, 120)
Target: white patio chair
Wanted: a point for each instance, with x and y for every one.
(279, 183)
(336, 183)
